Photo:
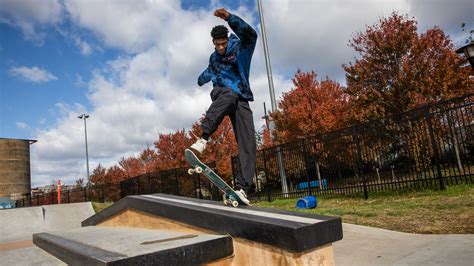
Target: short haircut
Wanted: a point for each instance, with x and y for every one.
(219, 32)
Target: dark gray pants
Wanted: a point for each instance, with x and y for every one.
(226, 102)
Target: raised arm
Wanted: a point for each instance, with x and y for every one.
(245, 32)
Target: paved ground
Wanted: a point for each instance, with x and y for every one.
(363, 245)
(20, 224)
(360, 246)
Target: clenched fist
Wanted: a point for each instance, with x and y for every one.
(222, 13)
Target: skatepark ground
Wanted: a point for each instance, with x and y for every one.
(360, 245)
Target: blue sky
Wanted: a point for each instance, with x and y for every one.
(132, 65)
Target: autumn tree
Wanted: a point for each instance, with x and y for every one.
(149, 159)
(98, 176)
(399, 69)
(311, 107)
(170, 149)
(79, 183)
(115, 174)
(132, 166)
(220, 148)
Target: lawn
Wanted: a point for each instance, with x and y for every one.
(449, 211)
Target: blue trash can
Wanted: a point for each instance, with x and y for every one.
(308, 202)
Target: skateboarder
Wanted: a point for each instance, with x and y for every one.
(229, 68)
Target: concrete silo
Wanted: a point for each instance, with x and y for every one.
(15, 174)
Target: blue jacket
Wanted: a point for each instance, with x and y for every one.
(232, 69)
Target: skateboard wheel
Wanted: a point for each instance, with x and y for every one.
(190, 171)
(226, 202)
(198, 170)
(235, 203)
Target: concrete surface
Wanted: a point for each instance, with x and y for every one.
(29, 256)
(21, 223)
(290, 231)
(363, 245)
(126, 246)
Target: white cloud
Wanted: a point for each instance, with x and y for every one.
(30, 16)
(84, 47)
(21, 125)
(32, 74)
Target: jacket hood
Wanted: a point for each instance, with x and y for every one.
(231, 43)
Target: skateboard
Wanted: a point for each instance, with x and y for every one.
(231, 198)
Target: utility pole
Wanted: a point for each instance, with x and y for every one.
(85, 116)
(272, 96)
(267, 57)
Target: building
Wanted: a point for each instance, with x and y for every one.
(15, 173)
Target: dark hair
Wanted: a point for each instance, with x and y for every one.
(219, 32)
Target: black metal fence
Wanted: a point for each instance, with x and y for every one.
(100, 193)
(429, 147)
(432, 146)
(174, 182)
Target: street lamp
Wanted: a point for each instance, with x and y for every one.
(84, 116)
(468, 51)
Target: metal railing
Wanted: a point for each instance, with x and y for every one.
(428, 147)
(432, 146)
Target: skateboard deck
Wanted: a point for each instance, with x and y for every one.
(199, 167)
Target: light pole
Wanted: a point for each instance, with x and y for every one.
(267, 57)
(271, 88)
(85, 116)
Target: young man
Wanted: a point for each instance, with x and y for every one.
(229, 67)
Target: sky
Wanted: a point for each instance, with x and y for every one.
(132, 66)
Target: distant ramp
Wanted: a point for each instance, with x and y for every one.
(20, 224)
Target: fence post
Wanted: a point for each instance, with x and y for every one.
(85, 194)
(177, 182)
(305, 154)
(161, 182)
(234, 171)
(139, 191)
(150, 189)
(359, 160)
(68, 201)
(266, 175)
(435, 149)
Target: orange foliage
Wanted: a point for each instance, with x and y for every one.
(311, 107)
(220, 148)
(399, 69)
(170, 150)
(98, 175)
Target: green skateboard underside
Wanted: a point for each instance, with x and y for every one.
(211, 175)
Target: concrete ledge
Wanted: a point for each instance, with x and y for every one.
(121, 246)
(288, 231)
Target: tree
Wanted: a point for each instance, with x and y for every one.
(399, 69)
(98, 177)
(80, 183)
(132, 166)
(170, 150)
(221, 147)
(311, 107)
(115, 174)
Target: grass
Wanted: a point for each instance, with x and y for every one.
(99, 206)
(450, 211)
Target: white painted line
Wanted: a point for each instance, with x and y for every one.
(252, 212)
